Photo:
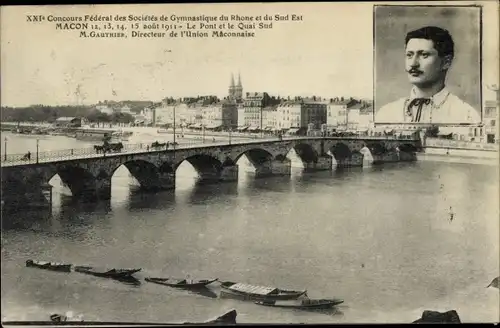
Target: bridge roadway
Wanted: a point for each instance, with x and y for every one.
(139, 148)
(88, 174)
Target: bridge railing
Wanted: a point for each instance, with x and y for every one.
(89, 152)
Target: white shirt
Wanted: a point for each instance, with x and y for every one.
(444, 107)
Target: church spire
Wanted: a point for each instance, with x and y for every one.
(232, 80)
(239, 80)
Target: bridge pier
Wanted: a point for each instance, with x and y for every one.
(156, 182)
(103, 188)
(356, 159)
(323, 163)
(27, 197)
(97, 189)
(226, 174)
(389, 157)
(273, 167)
(229, 173)
(166, 181)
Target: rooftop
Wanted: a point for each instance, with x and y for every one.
(340, 102)
(65, 119)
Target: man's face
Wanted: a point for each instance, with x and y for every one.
(423, 64)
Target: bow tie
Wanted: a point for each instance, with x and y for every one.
(418, 103)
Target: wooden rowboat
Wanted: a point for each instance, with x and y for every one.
(258, 293)
(181, 283)
(107, 273)
(53, 266)
(303, 304)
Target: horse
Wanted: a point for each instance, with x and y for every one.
(116, 147)
(98, 148)
(157, 144)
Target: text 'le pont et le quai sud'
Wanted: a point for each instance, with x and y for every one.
(165, 26)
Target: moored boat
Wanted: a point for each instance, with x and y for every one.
(258, 293)
(53, 266)
(303, 304)
(107, 273)
(181, 283)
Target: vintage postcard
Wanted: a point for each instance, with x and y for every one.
(250, 163)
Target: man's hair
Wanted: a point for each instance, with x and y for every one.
(443, 42)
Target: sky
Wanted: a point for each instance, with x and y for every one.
(329, 53)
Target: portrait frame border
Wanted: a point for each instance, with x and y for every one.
(374, 60)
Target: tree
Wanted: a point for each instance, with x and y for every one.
(121, 118)
(97, 116)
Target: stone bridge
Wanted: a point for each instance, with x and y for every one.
(90, 178)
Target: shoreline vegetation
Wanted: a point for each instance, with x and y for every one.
(43, 113)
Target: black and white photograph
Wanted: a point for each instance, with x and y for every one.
(428, 64)
(250, 163)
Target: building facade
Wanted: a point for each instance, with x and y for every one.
(301, 113)
(253, 104)
(313, 112)
(337, 113)
(222, 115)
(270, 118)
(366, 119)
(288, 115)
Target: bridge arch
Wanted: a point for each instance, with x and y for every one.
(340, 151)
(407, 148)
(376, 148)
(146, 173)
(205, 165)
(228, 162)
(256, 156)
(305, 152)
(80, 181)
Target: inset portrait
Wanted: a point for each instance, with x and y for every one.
(427, 64)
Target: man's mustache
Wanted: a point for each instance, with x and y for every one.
(414, 70)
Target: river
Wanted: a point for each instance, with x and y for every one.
(378, 237)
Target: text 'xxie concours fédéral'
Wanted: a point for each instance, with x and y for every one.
(165, 26)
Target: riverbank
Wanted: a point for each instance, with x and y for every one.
(464, 156)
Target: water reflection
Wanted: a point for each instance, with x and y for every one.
(204, 193)
(33, 220)
(204, 291)
(72, 207)
(141, 200)
(335, 311)
(131, 281)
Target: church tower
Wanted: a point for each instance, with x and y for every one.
(238, 90)
(232, 88)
